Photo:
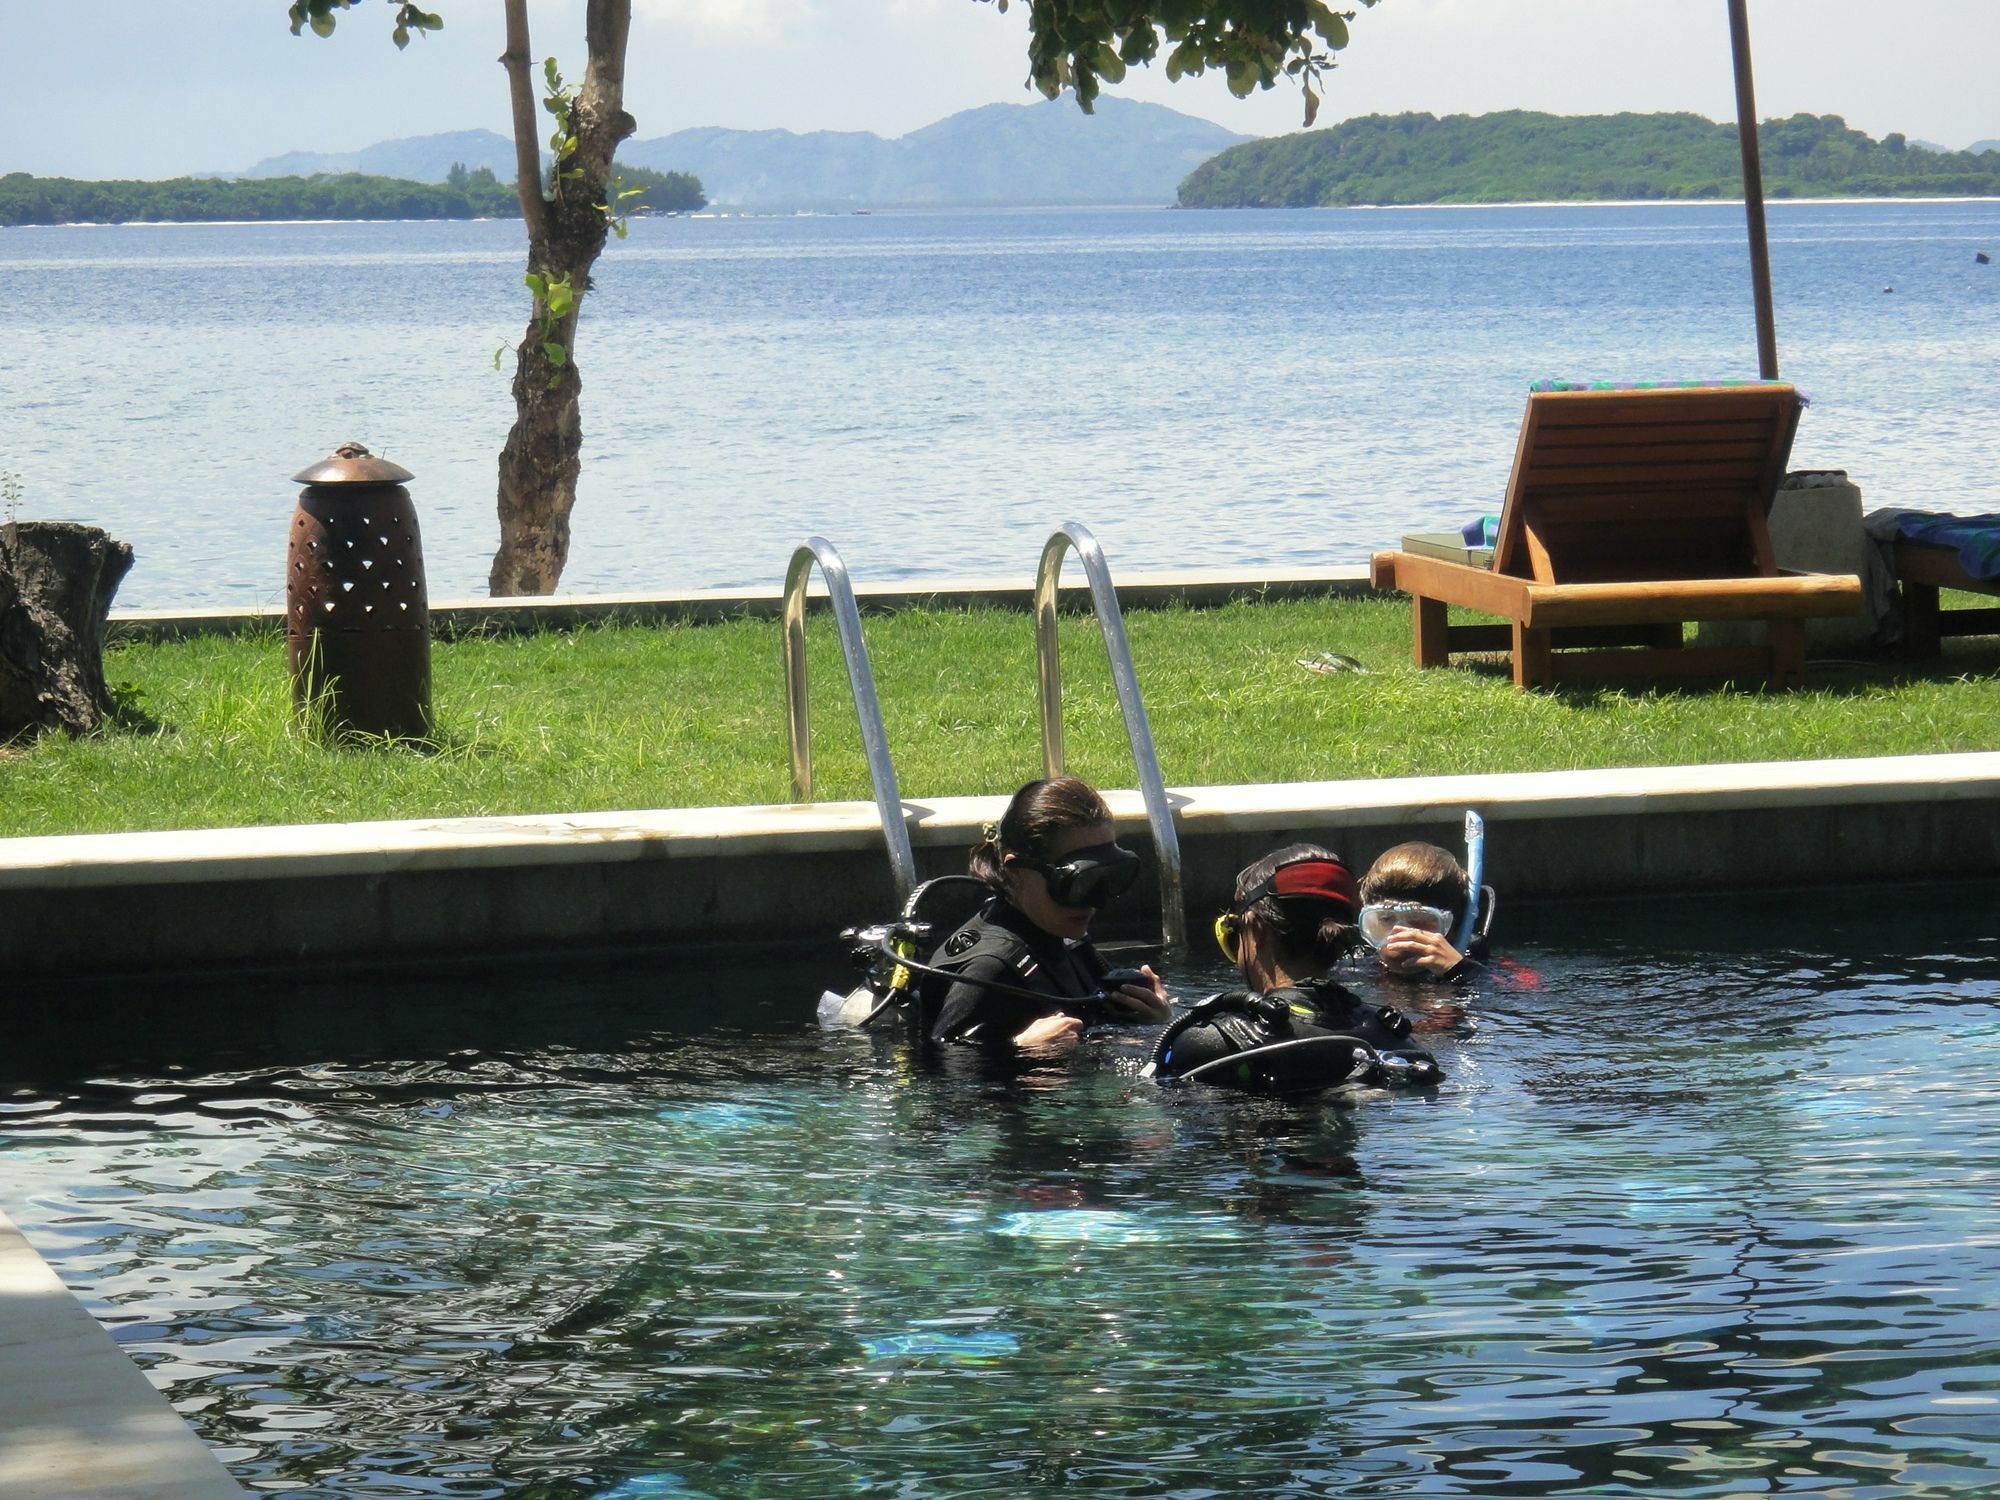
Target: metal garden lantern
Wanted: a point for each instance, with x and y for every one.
(357, 616)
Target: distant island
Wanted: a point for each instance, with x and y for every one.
(1518, 156)
(1052, 154)
(1024, 155)
(466, 193)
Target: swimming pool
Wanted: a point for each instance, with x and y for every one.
(1709, 1212)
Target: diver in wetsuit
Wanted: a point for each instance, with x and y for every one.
(1292, 1029)
(1419, 911)
(1022, 973)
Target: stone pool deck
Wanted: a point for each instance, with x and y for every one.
(217, 899)
(78, 1421)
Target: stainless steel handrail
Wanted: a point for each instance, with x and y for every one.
(798, 712)
(1048, 662)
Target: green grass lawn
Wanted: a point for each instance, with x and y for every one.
(686, 716)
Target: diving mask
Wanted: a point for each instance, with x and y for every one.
(1380, 920)
(1090, 877)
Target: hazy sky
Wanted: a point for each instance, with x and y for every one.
(136, 88)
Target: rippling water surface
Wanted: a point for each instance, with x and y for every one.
(935, 392)
(1709, 1211)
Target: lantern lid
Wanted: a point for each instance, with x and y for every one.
(351, 463)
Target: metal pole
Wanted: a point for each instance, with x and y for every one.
(1048, 669)
(798, 712)
(1753, 189)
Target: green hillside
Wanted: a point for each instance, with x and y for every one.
(476, 194)
(1517, 156)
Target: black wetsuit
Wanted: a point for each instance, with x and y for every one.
(999, 943)
(1239, 1022)
(1470, 966)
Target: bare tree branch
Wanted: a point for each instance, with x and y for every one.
(518, 59)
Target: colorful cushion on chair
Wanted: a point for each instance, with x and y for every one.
(1652, 385)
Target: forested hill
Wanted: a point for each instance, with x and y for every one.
(1517, 156)
(348, 195)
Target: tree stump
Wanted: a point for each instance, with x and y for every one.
(56, 583)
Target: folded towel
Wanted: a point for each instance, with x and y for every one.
(1975, 539)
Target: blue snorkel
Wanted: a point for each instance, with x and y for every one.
(1475, 873)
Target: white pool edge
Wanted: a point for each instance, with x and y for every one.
(373, 848)
(80, 1421)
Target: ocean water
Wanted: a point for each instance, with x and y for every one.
(935, 392)
(1706, 1210)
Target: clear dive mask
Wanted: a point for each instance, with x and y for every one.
(1380, 920)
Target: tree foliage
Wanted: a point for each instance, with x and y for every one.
(1517, 156)
(318, 15)
(474, 194)
(662, 192)
(1077, 44)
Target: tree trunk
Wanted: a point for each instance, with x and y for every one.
(566, 234)
(538, 469)
(57, 579)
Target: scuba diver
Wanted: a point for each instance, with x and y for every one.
(1020, 973)
(1424, 915)
(1051, 862)
(1292, 1029)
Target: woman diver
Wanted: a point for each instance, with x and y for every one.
(1022, 973)
(1291, 1028)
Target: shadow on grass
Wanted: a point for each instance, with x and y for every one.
(439, 744)
(128, 711)
(1844, 677)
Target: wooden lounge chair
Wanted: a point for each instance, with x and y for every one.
(1922, 569)
(1628, 514)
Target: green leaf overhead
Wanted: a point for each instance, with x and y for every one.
(1078, 44)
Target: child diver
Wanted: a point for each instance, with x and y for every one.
(1291, 1029)
(1021, 973)
(1421, 911)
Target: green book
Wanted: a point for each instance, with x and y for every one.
(1448, 545)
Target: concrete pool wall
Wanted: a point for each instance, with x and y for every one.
(108, 904)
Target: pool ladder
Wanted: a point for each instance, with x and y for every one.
(1072, 536)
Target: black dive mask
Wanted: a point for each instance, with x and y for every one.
(1090, 877)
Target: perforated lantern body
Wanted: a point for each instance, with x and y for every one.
(357, 615)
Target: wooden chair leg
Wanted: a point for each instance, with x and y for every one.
(1532, 667)
(1430, 632)
(1667, 637)
(1920, 618)
(1788, 653)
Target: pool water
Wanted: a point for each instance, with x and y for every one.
(1706, 1207)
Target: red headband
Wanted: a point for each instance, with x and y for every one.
(1318, 879)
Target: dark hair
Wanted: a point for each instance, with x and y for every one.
(1302, 926)
(1038, 812)
(1416, 872)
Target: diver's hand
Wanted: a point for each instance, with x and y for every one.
(1050, 1032)
(1141, 1002)
(1412, 948)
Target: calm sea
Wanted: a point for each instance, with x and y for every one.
(934, 392)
